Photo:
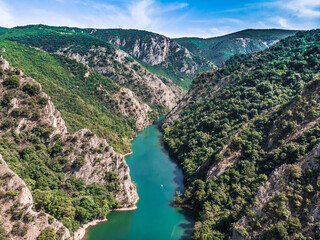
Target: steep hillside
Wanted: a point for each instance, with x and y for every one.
(239, 123)
(18, 220)
(76, 178)
(100, 55)
(85, 98)
(219, 49)
(159, 54)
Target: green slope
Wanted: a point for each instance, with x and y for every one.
(75, 96)
(220, 49)
(237, 107)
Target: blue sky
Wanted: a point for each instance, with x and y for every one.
(171, 18)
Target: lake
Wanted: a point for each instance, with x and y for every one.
(158, 178)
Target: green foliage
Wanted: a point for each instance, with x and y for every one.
(242, 232)
(47, 234)
(245, 107)
(31, 89)
(77, 98)
(78, 162)
(11, 82)
(3, 234)
(70, 200)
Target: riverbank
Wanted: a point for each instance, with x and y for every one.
(81, 233)
(158, 178)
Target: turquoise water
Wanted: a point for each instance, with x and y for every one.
(155, 218)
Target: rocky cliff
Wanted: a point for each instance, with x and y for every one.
(157, 91)
(253, 123)
(126, 71)
(51, 160)
(18, 219)
(156, 50)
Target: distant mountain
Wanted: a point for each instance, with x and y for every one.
(219, 49)
(175, 61)
(157, 91)
(158, 53)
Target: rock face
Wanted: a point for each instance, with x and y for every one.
(120, 67)
(219, 49)
(154, 50)
(16, 204)
(99, 159)
(278, 183)
(98, 156)
(129, 106)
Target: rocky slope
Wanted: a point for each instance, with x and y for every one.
(34, 137)
(127, 72)
(85, 98)
(252, 120)
(18, 219)
(287, 205)
(156, 51)
(103, 57)
(219, 49)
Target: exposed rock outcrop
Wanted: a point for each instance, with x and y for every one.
(279, 181)
(154, 50)
(16, 214)
(97, 155)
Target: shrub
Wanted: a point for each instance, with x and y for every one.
(7, 99)
(12, 194)
(11, 82)
(7, 123)
(31, 89)
(242, 232)
(43, 101)
(47, 234)
(16, 112)
(79, 162)
(27, 217)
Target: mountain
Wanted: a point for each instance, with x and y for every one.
(157, 91)
(158, 53)
(219, 49)
(85, 98)
(247, 137)
(139, 58)
(52, 181)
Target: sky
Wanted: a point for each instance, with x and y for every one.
(181, 18)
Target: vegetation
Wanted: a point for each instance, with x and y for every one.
(220, 49)
(252, 106)
(80, 102)
(42, 161)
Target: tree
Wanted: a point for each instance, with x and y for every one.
(11, 82)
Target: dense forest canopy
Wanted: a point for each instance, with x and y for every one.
(229, 119)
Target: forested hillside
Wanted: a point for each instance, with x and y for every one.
(81, 104)
(52, 179)
(239, 123)
(157, 91)
(158, 53)
(220, 49)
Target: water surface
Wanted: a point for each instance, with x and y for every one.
(157, 178)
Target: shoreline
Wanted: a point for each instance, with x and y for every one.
(81, 233)
(127, 154)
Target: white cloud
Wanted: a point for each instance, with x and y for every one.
(141, 13)
(6, 19)
(283, 22)
(215, 32)
(303, 8)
